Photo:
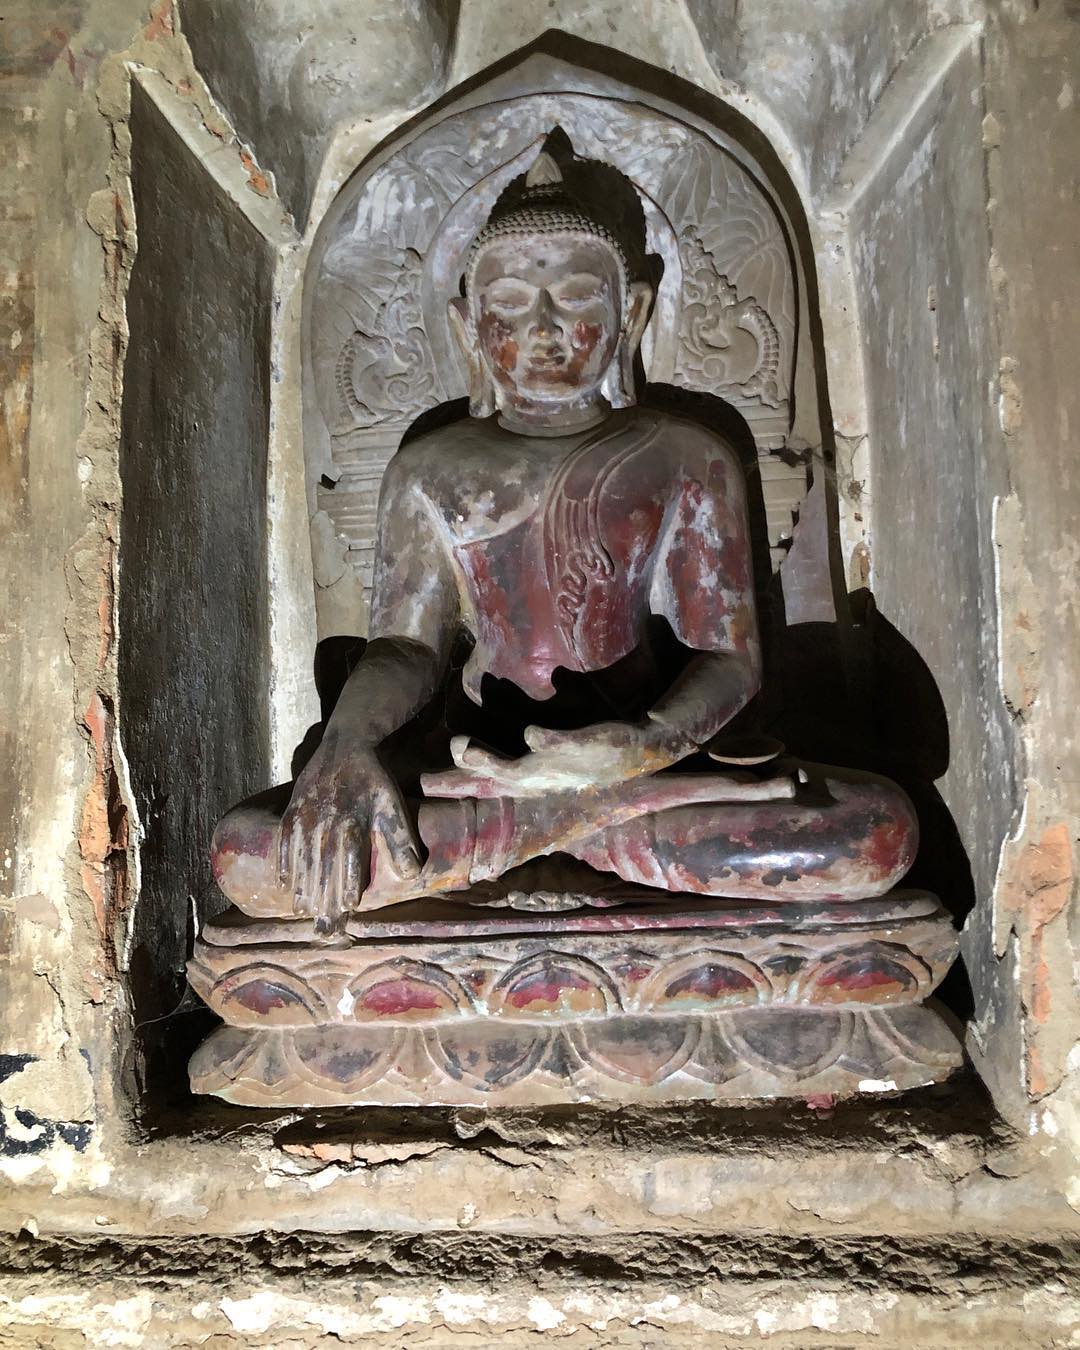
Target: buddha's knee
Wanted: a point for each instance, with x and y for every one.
(244, 855)
(877, 824)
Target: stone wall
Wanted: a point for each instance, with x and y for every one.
(931, 146)
(193, 649)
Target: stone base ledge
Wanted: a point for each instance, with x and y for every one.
(739, 1055)
(704, 958)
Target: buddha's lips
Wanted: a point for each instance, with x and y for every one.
(547, 360)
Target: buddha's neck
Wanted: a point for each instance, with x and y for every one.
(542, 419)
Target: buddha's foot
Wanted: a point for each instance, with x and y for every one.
(438, 1004)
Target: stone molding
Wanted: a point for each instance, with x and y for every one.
(737, 1055)
(573, 976)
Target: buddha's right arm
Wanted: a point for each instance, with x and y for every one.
(394, 679)
(414, 614)
(344, 798)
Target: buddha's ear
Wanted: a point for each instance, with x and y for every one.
(619, 382)
(457, 311)
(638, 309)
(481, 385)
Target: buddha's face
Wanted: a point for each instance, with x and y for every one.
(547, 313)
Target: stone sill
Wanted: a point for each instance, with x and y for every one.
(933, 1163)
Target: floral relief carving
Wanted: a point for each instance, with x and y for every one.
(387, 375)
(714, 351)
(573, 978)
(732, 1055)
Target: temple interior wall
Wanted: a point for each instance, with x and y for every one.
(193, 613)
(935, 464)
(936, 459)
(160, 570)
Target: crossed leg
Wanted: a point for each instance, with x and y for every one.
(844, 836)
(854, 840)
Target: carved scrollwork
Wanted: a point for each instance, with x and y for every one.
(387, 375)
(713, 352)
(380, 343)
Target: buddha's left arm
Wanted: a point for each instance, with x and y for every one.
(703, 585)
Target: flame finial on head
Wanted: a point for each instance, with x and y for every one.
(544, 171)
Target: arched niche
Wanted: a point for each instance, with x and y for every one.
(389, 254)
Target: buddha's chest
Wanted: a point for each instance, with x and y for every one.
(514, 483)
(554, 560)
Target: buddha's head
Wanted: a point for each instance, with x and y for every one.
(552, 315)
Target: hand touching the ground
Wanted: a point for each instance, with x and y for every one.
(342, 802)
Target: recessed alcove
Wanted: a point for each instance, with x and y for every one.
(186, 513)
(205, 577)
(193, 585)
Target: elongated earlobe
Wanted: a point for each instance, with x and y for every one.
(481, 384)
(619, 389)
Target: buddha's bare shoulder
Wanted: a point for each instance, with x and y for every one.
(679, 433)
(446, 454)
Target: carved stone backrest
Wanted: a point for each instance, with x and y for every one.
(391, 251)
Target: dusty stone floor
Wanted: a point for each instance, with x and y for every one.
(300, 1290)
(644, 1279)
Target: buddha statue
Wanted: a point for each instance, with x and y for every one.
(563, 626)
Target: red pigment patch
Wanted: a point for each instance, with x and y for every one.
(257, 180)
(821, 1101)
(633, 973)
(262, 996)
(866, 978)
(496, 336)
(493, 603)
(710, 981)
(586, 337)
(548, 989)
(391, 998)
(864, 983)
(887, 847)
(161, 21)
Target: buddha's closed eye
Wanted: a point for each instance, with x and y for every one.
(510, 297)
(578, 291)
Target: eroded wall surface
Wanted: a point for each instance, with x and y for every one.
(937, 459)
(940, 133)
(1030, 131)
(192, 606)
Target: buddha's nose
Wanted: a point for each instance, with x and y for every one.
(545, 321)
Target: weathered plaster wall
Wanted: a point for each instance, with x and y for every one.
(936, 459)
(1031, 131)
(813, 73)
(289, 74)
(58, 577)
(72, 852)
(193, 581)
(901, 1217)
